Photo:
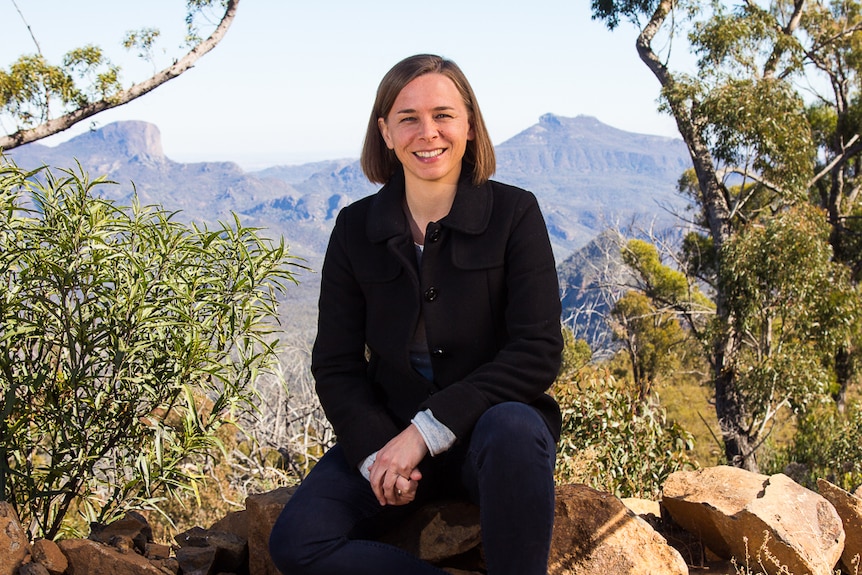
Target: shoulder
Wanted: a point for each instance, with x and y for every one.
(510, 193)
(509, 198)
(356, 210)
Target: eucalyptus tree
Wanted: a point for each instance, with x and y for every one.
(770, 116)
(647, 319)
(41, 99)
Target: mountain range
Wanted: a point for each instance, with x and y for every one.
(587, 176)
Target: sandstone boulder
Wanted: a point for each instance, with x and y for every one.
(849, 508)
(32, 569)
(132, 532)
(594, 532)
(88, 557)
(747, 515)
(263, 510)
(197, 560)
(643, 507)
(48, 554)
(441, 531)
(235, 522)
(14, 543)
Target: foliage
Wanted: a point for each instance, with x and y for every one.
(826, 445)
(772, 118)
(39, 98)
(614, 442)
(667, 287)
(650, 337)
(576, 353)
(31, 87)
(126, 340)
(793, 309)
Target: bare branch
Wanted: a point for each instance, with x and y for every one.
(851, 148)
(30, 30)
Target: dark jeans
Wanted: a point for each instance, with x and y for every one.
(328, 526)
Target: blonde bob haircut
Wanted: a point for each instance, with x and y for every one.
(380, 163)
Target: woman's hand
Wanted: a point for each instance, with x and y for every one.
(394, 474)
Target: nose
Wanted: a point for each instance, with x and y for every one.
(428, 129)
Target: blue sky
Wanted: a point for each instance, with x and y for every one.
(294, 81)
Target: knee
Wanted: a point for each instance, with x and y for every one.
(281, 548)
(290, 554)
(515, 430)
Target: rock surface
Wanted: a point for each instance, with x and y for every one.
(594, 532)
(788, 529)
(741, 514)
(47, 553)
(87, 557)
(849, 508)
(14, 544)
(439, 531)
(263, 510)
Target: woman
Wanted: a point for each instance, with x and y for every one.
(438, 335)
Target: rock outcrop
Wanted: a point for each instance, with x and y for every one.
(262, 512)
(594, 532)
(723, 511)
(849, 508)
(741, 514)
(14, 545)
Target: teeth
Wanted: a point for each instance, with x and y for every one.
(429, 154)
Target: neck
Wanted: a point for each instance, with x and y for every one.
(429, 203)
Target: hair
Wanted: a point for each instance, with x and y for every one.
(380, 163)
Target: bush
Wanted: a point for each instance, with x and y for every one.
(826, 445)
(613, 442)
(126, 340)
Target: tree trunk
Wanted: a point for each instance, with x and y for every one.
(729, 404)
(844, 374)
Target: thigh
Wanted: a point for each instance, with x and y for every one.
(330, 523)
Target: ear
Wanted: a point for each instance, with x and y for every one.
(471, 134)
(384, 132)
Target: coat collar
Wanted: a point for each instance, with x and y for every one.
(470, 213)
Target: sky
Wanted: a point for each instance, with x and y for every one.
(294, 81)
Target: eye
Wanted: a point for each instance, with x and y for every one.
(443, 115)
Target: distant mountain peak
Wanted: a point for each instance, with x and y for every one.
(572, 147)
(127, 139)
(580, 121)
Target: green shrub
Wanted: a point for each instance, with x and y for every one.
(826, 445)
(613, 442)
(126, 340)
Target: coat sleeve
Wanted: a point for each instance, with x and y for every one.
(339, 363)
(528, 360)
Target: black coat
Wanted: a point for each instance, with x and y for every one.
(490, 298)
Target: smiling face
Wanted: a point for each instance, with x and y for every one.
(428, 128)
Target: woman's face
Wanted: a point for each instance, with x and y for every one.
(428, 128)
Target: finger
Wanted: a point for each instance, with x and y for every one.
(405, 489)
(376, 481)
(389, 488)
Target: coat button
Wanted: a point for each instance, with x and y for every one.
(438, 352)
(431, 294)
(435, 235)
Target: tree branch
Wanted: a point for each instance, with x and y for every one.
(853, 147)
(29, 29)
(68, 120)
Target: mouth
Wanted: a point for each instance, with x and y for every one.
(429, 153)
